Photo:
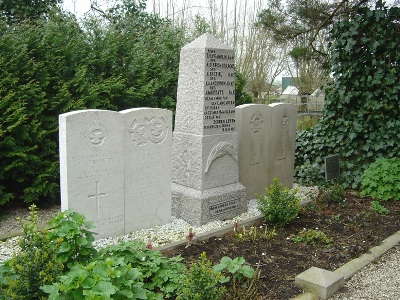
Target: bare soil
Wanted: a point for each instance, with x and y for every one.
(353, 227)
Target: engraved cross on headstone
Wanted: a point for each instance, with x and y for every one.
(255, 156)
(282, 159)
(97, 197)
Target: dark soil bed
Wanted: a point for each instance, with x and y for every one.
(353, 227)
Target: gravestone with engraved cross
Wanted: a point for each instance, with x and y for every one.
(92, 168)
(282, 142)
(253, 123)
(204, 151)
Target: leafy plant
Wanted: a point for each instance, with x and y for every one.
(201, 282)
(253, 233)
(73, 231)
(35, 265)
(99, 279)
(240, 279)
(160, 274)
(311, 237)
(381, 179)
(379, 208)
(278, 206)
(331, 193)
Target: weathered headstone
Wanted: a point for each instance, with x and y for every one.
(116, 168)
(148, 140)
(283, 142)
(204, 152)
(253, 124)
(92, 168)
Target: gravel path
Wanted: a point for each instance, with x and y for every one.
(379, 280)
(9, 222)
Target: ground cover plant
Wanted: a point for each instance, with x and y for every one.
(325, 234)
(60, 262)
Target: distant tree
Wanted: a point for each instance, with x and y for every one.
(305, 26)
(20, 10)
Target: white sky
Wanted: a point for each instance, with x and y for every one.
(80, 7)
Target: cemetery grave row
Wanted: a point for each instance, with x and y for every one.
(127, 170)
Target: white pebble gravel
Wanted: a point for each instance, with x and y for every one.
(177, 230)
(379, 280)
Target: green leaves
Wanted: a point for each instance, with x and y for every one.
(361, 107)
(278, 206)
(381, 180)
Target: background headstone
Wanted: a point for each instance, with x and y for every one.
(92, 168)
(204, 152)
(283, 142)
(148, 141)
(253, 125)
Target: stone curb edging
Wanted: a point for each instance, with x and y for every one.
(357, 264)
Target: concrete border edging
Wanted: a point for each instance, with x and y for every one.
(349, 269)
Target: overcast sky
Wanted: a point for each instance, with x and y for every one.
(80, 7)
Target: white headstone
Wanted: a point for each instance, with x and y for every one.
(116, 168)
(253, 124)
(148, 140)
(204, 161)
(92, 168)
(283, 142)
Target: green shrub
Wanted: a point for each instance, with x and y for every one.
(99, 279)
(239, 279)
(201, 282)
(311, 237)
(278, 206)
(35, 265)
(378, 208)
(331, 193)
(76, 238)
(160, 274)
(381, 180)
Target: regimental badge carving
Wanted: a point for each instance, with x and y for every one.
(96, 135)
(220, 150)
(285, 119)
(257, 122)
(144, 130)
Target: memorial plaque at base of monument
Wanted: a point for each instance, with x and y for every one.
(205, 171)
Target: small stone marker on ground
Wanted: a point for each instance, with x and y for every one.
(332, 170)
(204, 152)
(116, 169)
(267, 137)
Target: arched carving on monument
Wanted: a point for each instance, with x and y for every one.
(220, 150)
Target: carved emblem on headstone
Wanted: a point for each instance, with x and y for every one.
(144, 130)
(96, 134)
(285, 119)
(257, 122)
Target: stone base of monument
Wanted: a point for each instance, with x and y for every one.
(200, 207)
